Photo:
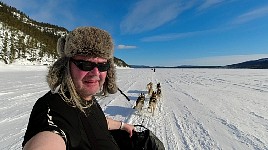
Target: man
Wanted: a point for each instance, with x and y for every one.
(68, 116)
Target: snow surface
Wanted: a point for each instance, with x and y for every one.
(200, 108)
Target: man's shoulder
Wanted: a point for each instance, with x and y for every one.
(46, 99)
(57, 107)
(41, 105)
(54, 101)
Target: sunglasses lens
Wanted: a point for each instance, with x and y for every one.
(88, 66)
(103, 67)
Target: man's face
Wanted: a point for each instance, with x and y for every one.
(87, 83)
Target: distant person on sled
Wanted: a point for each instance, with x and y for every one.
(69, 116)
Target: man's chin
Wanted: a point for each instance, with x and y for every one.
(89, 91)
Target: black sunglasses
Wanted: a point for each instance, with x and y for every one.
(88, 66)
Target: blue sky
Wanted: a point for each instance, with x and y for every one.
(166, 32)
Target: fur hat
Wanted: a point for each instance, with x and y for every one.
(87, 41)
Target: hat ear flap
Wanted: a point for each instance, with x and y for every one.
(56, 73)
(111, 78)
(60, 46)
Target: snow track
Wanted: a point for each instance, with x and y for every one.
(19, 91)
(206, 109)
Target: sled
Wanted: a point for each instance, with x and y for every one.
(142, 139)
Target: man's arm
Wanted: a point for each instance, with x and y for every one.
(113, 125)
(45, 140)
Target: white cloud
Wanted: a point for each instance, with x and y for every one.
(126, 47)
(252, 15)
(150, 14)
(171, 36)
(174, 36)
(221, 60)
(209, 3)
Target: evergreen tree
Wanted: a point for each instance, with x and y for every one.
(4, 50)
(12, 49)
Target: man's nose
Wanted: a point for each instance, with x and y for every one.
(95, 71)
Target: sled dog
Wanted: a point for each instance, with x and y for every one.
(150, 88)
(158, 86)
(149, 85)
(140, 102)
(152, 103)
(159, 93)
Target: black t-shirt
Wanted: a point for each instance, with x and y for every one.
(51, 113)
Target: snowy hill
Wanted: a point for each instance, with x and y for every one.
(253, 64)
(24, 39)
(200, 109)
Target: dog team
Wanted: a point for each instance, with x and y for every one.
(154, 97)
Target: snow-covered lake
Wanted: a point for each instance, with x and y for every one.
(200, 108)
